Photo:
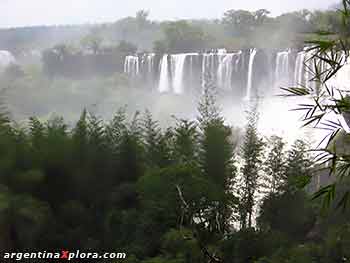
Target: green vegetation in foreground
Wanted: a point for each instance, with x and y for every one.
(162, 195)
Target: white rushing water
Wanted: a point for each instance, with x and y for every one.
(208, 67)
(299, 69)
(148, 62)
(177, 69)
(179, 73)
(164, 80)
(6, 58)
(282, 74)
(132, 65)
(250, 73)
(226, 68)
(239, 61)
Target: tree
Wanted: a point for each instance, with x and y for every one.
(208, 110)
(246, 245)
(92, 42)
(126, 48)
(328, 21)
(55, 163)
(25, 219)
(289, 213)
(186, 142)
(217, 163)
(260, 16)
(160, 47)
(239, 22)
(131, 153)
(295, 21)
(80, 139)
(330, 54)
(161, 205)
(275, 165)
(38, 135)
(252, 153)
(115, 130)
(157, 146)
(216, 159)
(142, 18)
(181, 36)
(298, 166)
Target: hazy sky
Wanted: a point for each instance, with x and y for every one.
(41, 12)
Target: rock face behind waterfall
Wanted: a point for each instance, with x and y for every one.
(239, 74)
(6, 59)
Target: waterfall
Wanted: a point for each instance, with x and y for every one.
(150, 62)
(132, 65)
(203, 71)
(222, 69)
(6, 58)
(282, 69)
(299, 69)
(205, 62)
(191, 69)
(208, 68)
(238, 60)
(225, 70)
(250, 73)
(177, 69)
(212, 64)
(164, 79)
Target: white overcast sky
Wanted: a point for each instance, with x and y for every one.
(48, 12)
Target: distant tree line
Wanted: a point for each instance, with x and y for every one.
(66, 61)
(237, 28)
(97, 49)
